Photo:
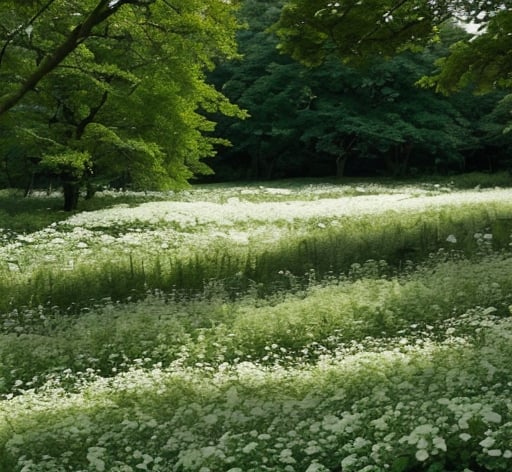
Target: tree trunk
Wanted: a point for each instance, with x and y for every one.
(90, 190)
(342, 157)
(71, 193)
(397, 159)
(253, 173)
(268, 167)
(10, 182)
(30, 185)
(407, 150)
(341, 162)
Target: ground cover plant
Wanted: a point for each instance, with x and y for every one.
(282, 327)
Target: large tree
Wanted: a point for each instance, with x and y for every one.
(376, 115)
(100, 90)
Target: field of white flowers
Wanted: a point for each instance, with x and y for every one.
(295, 328)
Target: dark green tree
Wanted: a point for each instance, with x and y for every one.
(334, 118)
(378, 114)
(272, 88)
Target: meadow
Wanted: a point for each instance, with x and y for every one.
(296, 326)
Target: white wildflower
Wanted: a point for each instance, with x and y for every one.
(439, 443)
(348, 461)
(249, 447)
(316, 467)
(422, 443)
(492, 417)
(487, 442)
(494, 452)
(422, 455)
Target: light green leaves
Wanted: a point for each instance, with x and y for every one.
(69, 163)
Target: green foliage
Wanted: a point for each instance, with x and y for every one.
(337, 120)
(131, 93)
(356, 30)
(483, 62)
(70, 165)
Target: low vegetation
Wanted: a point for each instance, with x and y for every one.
(315, 328)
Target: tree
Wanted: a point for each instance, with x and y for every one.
(31, 14)
(377, 114)
(311, 30)
(271, 87)
(117, 88)
(335, 118)
(494, 129)
(485, 61)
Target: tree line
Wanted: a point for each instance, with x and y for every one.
(137, 93)
(385, 109)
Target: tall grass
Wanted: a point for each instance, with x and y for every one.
(213, 329)
(325, 250)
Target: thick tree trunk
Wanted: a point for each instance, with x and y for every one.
(71, 193)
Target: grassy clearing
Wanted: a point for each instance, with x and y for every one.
(267, 331)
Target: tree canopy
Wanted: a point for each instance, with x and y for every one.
(129, 92)
(338, 119)
(311, 30)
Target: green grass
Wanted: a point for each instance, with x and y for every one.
(319, 344)
(214, 329)
(393, 237)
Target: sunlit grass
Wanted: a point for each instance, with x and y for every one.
(445, 403)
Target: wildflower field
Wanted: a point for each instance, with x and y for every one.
(297, 327)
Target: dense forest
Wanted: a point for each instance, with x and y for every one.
(136, 93)
(337, 119)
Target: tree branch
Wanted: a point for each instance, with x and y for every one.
(389, 13)
(103, 10)
(90, 117)
(14, 33)
(172, 7)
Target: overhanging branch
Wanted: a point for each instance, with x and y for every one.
(103, 10)
(14, 33)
